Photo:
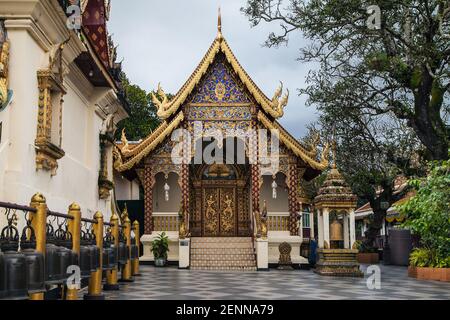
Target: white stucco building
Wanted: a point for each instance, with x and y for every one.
(56, 128)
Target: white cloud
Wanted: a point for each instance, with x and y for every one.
(163, 41)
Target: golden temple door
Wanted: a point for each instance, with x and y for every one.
(219, 211)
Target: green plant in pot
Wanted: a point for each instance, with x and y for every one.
(160, 248)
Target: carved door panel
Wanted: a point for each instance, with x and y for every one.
(228, 212)
(211, 202)
(219, 212)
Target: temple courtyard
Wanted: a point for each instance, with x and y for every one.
(173, 284)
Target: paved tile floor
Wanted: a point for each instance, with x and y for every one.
(173, 284)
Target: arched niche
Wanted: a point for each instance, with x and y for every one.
(160, 205)
(281, 203)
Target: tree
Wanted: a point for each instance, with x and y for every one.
(428, 213)
(372, 153)
(397, 69)
(143, 119)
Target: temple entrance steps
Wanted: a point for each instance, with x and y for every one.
(223, 254)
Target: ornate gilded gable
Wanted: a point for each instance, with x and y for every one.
(220, 85)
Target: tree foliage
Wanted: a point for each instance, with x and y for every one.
(400, 70)
(428, 213)
(143, 119)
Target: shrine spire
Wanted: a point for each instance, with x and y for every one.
(219, 25)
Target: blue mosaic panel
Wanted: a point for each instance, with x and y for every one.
(220, 85)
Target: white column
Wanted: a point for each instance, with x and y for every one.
(326, 226)
(352, 228)
(320, 227)
(346, 232)
(311, 224)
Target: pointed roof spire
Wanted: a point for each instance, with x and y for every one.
(219, 25)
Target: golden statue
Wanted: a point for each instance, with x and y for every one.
(183, 230)
(264, 229)
(5, 94)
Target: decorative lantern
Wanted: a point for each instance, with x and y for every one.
(166, 192)
(274, 189)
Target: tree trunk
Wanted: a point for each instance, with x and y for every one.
(427, 121)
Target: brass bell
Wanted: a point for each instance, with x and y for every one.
(95, 253)
(336, 233)
(123, 254)
(134, 252)
(52, 260)
(85, 256)
(64, 255)
(2, 276)
(15, 264)
(35, 261)
(112, 251)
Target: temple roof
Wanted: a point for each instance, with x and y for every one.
(171, 114)
(274, 107)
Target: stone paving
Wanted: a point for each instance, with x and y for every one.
(173, 284)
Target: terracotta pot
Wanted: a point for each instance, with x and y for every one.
(368, 258)
(433, 274)
(445, 274)
(412, 272)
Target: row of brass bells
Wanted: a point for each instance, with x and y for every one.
(14, 264)
(85, 256)
(35, 261)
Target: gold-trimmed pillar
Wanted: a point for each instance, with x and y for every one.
(95, 281)
(39, 224)
(126, 270)
(112, 277)
(137, 237)
(75, 230)
(148, 199)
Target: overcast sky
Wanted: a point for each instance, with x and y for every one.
(163, 41)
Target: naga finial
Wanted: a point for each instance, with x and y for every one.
(278, 102)
(161, 105)
(125, 145)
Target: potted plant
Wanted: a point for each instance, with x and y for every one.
(367, 255)
(427, 215)
(425, 264)
(160, 248)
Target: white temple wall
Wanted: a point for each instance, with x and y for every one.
(77, 176)
(125, 189)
